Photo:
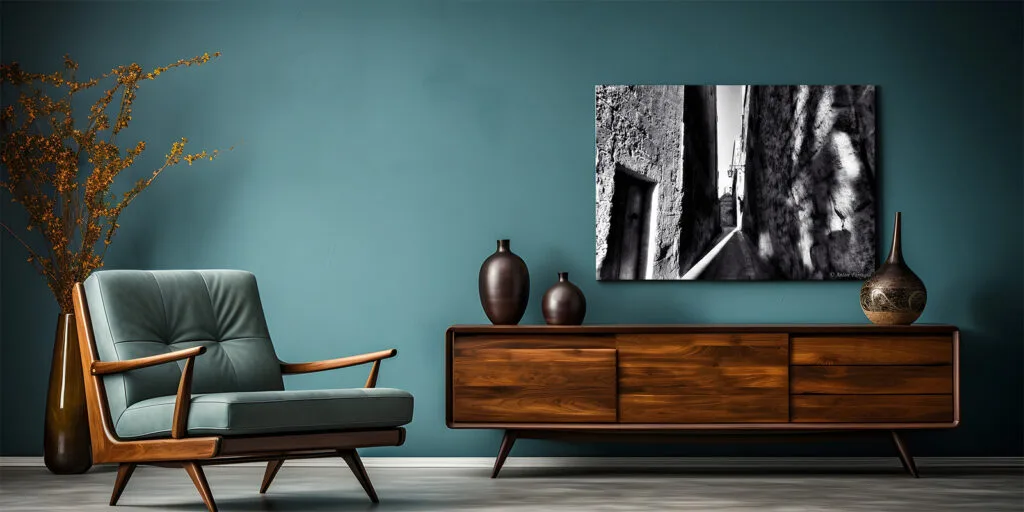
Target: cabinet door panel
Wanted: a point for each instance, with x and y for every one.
(534, 385)
(703, 378)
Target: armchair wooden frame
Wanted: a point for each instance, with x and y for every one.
(192, 453)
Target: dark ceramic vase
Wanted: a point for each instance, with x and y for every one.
(564, 303)
(66, 444)
(893, 295)
(504, 286)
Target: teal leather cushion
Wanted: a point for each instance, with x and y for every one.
(139, 313)
(271, 412)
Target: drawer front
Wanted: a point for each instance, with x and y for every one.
(703, 408)
(871, 408)
(871, 350)
(703, 378)
(871, 380)
(464, 344)
(535, 385)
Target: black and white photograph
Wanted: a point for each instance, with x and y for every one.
(735, 182)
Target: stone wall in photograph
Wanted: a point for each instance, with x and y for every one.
(810, 202)
(638, 129)
(700, 223)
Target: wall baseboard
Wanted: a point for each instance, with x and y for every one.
(630, 462)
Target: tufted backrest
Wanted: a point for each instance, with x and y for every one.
(139, 313)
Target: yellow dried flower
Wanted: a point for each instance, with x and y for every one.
(43, 171)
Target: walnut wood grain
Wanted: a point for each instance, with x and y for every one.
(871, 380)
(551, 409)
(711, 350)
(557, 385)
(505, 341)
(690, 379)
(872, 408)
(109, 367)
(341, 362)
(662, 381)
(703, 378)
(871, 350)
(183, 401)
(692, 409)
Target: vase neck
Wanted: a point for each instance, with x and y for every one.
(503, 246)
(896, 252)
(563, 277)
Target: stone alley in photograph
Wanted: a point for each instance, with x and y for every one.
(736, 182)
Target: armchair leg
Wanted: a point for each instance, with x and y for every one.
(356, 465)
(195, 472)
(124, 473)
(272, 468)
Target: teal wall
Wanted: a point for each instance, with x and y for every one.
(382, 147)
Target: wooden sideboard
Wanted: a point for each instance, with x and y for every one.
(664, 382)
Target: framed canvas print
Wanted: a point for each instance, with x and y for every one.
(735, 182)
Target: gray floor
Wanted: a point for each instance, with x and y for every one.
(526, 489)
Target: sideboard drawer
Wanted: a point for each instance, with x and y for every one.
(544, 385)
(871, 408)
(871, 350)
(871, 380)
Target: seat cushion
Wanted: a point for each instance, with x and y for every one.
(271, 412)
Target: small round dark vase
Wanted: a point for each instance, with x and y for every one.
(564, 303)
(504, 286)
(893, 295)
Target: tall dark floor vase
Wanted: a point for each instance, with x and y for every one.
(66, 448)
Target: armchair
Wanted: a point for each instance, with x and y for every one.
(180, 371)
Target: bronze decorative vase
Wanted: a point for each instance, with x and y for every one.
(893, 295)
(66, 444)
(504, 286)
(564, 303)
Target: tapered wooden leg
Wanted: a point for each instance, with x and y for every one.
(124, 473)
(503, 451)
(356, 465)
(905, 458)
(195, 471)
(272, 468)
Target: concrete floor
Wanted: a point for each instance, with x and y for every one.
(525, 489)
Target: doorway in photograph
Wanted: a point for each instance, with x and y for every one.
(630, 226)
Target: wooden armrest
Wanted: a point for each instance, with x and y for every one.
(343, 362)
(179, 423)
(108, 367)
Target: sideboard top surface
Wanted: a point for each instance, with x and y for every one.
(704, 328)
